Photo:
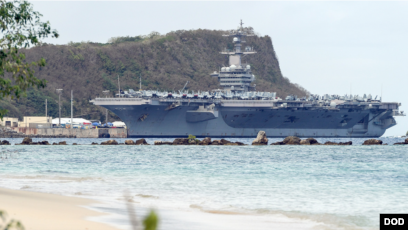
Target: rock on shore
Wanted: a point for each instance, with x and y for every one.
(206, 141)
(372, 142)
(180, 141)
(4, 142)
(138, 142)
(129, 142)
(109, 142)
(292, 140)
(340, 143)
(29, 141)
(141, 142)
(261, 139)
(163, 143)
(402, 143)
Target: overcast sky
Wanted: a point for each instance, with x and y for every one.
(327, 47)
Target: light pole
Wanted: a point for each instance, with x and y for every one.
(72, 110)
(59, 91)
(119, 85)
(106, 92)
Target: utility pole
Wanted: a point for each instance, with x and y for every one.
(72, 111)
(46, 115)
(106, 92)
(140, 87)
(59, 91)
(119, 85)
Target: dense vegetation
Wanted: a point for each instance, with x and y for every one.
(20, 27)
(165, 62)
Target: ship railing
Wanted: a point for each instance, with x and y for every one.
(118, 99)
(248, 101)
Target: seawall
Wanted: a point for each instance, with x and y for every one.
(65, 133)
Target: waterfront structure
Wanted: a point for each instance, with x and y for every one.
(9, 122)
(238, 110)
(35, 122)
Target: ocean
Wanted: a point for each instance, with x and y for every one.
(221, 187)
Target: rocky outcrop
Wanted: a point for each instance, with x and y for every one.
(216, 142)
(29, 141)
(261, 139)
(193, 141)
(309, 141)
(110, 142)
(402, 143)
(340, 143)
(372, 142)
(74, 144)
(278, 143)
(4, 142)
(26, 141)
(180, 141)
(62, 143)
(94, 143)
(232, 143)
(129, 142)
(291, 140)
(205, 141)
(330, 143)
(225, 142)
(346, 143)
(163, 143)
(141, 142)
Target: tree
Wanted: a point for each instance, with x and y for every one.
(20, 28)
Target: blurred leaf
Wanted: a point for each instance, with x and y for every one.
(12, 224)
(151, 221)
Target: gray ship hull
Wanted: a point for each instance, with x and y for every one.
(155, 121)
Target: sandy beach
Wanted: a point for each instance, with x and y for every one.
(42, 211)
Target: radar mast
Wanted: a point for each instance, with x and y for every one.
(237, 77)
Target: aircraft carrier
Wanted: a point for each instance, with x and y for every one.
(238, 110)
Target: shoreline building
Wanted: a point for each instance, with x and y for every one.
(35, 122)
(9, 122)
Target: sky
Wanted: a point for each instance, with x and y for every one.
(327, 47)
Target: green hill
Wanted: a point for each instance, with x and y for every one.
(165, 62)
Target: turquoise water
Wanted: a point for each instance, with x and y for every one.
(334, 187)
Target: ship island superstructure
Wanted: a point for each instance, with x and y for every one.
(238, 110)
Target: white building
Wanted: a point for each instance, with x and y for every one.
(76, 121)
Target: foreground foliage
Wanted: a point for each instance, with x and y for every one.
(20, 27)
(9, 225)
(151, 221)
